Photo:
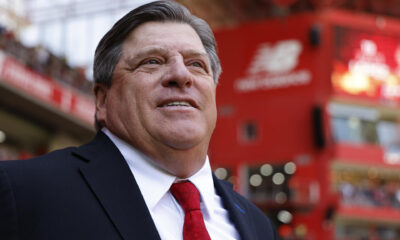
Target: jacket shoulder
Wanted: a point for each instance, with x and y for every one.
(37, 173)
(53, 158)
(260, 223)
(253, 209)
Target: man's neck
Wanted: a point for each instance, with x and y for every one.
(180, 163)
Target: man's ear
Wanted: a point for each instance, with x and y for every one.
(100, 93)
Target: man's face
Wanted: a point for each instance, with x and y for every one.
(163, 93)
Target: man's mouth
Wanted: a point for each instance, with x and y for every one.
(177, 103)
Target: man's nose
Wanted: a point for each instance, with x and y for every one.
(177, 75)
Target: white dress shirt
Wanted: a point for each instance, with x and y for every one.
(167, 214)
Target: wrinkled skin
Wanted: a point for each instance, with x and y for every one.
(162, 99)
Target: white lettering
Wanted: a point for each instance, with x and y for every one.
(390, 91)
(25, 80)
(374, 69)
(257, 82)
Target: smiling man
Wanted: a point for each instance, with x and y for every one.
(146, 175)
(162, 97)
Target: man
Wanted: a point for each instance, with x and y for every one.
(155, 76)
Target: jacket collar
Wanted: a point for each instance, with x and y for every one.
(238, 212)
(110, 179)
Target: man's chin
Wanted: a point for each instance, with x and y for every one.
(182, 144)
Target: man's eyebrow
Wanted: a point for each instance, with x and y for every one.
(132, 60)
(195, 53)
(144, 53)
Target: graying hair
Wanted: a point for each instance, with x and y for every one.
(109, 50)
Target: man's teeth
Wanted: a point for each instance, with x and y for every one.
(177, 103)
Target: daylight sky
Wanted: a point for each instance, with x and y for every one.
(72, 28)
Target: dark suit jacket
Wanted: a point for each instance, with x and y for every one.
(90, 193)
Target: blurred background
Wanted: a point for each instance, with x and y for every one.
(308, 102)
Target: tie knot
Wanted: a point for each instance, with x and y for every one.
(187, 195)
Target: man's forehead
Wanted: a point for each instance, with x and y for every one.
(154, 49)
(161, 27)
(163, 37)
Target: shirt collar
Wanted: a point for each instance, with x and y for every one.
(154, 182)
(204, 182)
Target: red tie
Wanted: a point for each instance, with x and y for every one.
(189, 198)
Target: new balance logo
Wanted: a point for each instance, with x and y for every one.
(282, 57)
(273, 66)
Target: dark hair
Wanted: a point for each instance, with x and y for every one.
(108, 52)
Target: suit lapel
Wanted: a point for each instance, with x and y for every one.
(237, 212)
(111, 180)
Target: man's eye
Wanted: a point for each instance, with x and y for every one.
(151, 61)
(196, 64)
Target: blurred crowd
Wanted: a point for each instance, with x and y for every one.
(44, 62)
(367, 232)
(368, 192)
